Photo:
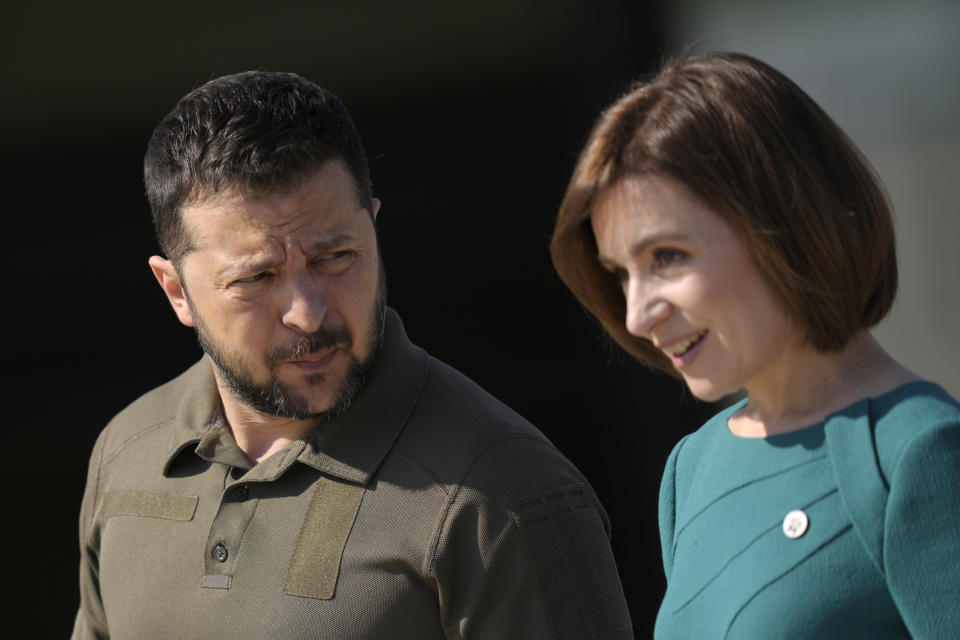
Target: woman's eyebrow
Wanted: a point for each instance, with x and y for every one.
(640, 246)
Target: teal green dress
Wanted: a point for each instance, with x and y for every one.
(846, 529)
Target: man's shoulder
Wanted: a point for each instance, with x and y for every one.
(156, 407)
(461, 435)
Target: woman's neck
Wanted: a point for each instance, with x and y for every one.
(805, 386)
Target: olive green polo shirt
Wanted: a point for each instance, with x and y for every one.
(428, 510)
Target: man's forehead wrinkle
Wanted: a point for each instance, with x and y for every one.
(281, 218)
(268, 255)
(248, 250)
(244, 231)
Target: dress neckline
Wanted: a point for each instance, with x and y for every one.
(799, 435)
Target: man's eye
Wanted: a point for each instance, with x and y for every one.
(251, 279)
(335, 261)
(668, 257)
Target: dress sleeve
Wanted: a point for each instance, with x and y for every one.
(667, 511)
(543, 572)
(922, 532)
(91, 620)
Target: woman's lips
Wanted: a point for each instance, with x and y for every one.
(683, 352)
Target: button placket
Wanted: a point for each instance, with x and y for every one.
(238, 502)
(227, 530)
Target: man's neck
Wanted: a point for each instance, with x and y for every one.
(259, 436)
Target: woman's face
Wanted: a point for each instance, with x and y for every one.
(691, 286)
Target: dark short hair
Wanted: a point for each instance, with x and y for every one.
(255, 131)
(761, 153)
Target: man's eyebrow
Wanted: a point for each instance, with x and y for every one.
(328, 242)
(251, 266)
(257, 265)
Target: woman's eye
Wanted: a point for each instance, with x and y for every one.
(667, 257)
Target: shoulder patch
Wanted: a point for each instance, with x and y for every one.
(565, 537)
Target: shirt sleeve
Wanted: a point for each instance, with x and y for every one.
(544, 572)
(91, 620)
(922, 533)
(667, 509)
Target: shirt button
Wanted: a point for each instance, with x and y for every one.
(241, 493)
(795, 524)
(220, 553)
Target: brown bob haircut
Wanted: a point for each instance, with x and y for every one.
(761, 153)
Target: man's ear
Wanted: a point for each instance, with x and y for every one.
(169, 281)
(375, 203)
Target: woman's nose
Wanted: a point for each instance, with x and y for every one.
(645, 308)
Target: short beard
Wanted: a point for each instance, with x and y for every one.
(276, 398)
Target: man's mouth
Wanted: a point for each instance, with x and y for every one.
(316, 360)
(317, 347)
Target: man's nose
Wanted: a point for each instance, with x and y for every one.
(306, 306)
(646, 308)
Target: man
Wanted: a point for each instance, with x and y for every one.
(316, 474)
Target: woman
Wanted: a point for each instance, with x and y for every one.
(722, 228)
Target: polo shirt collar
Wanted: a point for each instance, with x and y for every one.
(353, 445)
(350, 447)
(196, 411)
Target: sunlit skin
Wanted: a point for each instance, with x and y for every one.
(694, 291)
(266, 271)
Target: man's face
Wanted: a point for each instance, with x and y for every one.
(286, 293)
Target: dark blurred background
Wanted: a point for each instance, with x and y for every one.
(473, 114)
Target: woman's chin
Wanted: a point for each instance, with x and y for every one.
(707, 390)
